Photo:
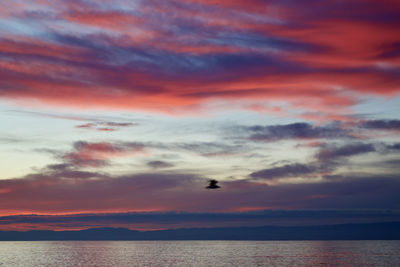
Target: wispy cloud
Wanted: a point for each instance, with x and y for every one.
(105, 126)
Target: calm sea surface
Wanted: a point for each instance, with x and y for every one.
(200, 253)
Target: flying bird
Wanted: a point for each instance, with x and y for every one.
(213, 184)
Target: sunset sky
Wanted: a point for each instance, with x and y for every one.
(117, 113)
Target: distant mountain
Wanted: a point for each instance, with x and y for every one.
(370, 231)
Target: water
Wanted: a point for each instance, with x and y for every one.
(200, 253)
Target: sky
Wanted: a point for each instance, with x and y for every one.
(118, 113)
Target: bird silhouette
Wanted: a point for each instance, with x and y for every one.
(213, 184)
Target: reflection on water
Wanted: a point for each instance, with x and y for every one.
(200, 253)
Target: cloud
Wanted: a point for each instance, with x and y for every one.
(332, 152)
(118, 124)
(9, 140)
(61, 189)
(299, 130)
(175, 55)
(382, 124)
(94, 123)
(290, 170)
(106, 129)
(348, 128)
(158, 164)
(105, 126)
(209, 149)
(394, 146)
(327, 159)
(86, 125)
(92, 154)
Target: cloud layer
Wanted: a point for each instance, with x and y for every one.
(174, 55)
(100, 80)
(163, 220)
(59, 189)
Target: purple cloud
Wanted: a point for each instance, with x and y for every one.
(382, 124)
(332, 152)
(290, 170)
(158, 164)
(297, 131)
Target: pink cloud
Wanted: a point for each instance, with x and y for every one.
(87, 154)
(175, 58)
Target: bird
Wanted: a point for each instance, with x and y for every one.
(213, 184)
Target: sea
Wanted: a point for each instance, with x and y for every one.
(199, 253)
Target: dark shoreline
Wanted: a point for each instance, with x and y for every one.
(367, 231)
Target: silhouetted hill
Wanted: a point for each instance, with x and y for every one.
(371, 231)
